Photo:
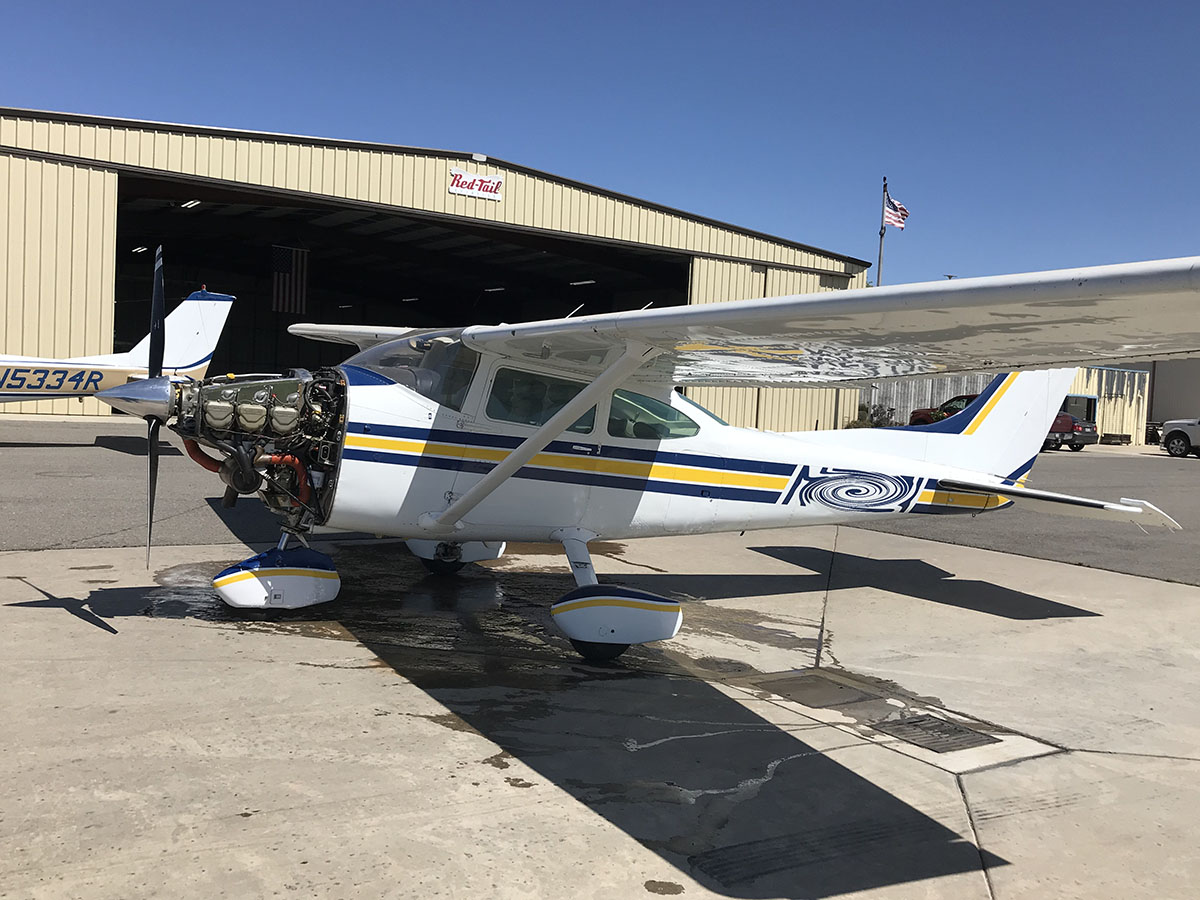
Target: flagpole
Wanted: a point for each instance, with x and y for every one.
(882, 229)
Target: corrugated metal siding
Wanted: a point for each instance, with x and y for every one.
(58, 240)
(1122, 396)
(405, 178)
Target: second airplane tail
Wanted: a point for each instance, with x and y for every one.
(192, 331)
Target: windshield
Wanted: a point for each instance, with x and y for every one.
(435, 364)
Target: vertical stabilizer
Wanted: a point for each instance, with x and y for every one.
(193, 329)
(1002, 430)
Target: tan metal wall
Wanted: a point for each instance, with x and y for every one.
(402, 177)
(770, 409)
(57, 250)
(1122, 395)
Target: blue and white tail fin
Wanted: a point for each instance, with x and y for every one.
(1002, 430)
(192, 331)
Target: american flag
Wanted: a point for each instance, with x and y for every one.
(894, 213)
(289, 280)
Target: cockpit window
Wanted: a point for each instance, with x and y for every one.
(531, 399)
(638, 416)
(434, 364)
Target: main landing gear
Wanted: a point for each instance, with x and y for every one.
(602, 621)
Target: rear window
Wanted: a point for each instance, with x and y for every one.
(644, 418)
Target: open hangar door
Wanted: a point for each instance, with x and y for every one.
(363, 264)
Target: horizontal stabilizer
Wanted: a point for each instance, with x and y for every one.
(1139, 512)
(361, 336)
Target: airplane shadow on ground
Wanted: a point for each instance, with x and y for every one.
(915, 578)
(252, 522)
(133, 445)
(748, 808)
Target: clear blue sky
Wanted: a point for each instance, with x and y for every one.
(1020, 136)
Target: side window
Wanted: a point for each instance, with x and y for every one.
(638, 416)
(531, 399)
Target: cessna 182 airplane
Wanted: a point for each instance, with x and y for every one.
(572, 430)
(191, 333)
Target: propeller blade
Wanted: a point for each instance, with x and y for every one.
(157, 318)
(152, 426)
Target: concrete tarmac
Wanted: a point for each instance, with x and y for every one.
(845, 713)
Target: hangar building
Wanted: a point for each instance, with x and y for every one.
(382, 234)
(376, 234)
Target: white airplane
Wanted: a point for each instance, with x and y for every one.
(571, 430)
(192, 330)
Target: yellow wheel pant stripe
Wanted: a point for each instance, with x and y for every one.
(255, 573)
(575, 463)
(991, 404)
(664, 607)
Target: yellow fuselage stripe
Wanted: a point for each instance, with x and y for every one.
(949, 498)
(576, 463)
(665, 607)
(256, 573)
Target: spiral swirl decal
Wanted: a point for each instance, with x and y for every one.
(854, 491)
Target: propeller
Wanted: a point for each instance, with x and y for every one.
(154, 370)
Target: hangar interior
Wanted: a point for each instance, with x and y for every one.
(365, 266)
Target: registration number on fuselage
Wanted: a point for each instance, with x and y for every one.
(26, 378)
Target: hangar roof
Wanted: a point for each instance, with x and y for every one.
(385, 175)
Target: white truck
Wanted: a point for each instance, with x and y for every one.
(1181, 437)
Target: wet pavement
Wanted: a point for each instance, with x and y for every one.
(844, 713)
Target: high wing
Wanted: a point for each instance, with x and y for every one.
(1146, 310)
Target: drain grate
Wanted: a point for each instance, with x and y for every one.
(932, 733)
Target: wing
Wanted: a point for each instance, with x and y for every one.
(362, 336)
(1148, 310)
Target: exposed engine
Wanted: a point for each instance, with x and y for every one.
(280, 436)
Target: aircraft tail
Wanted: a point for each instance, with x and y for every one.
(998, 434)
(192, 331)
(1002, 430)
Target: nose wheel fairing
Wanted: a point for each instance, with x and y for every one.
(279, 579)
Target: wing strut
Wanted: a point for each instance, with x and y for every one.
(634, 357)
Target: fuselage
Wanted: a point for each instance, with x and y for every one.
(36, 378)
(677, 472)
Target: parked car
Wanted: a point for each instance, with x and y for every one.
(1070, 431)
(937, 413)
(1181, 437)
